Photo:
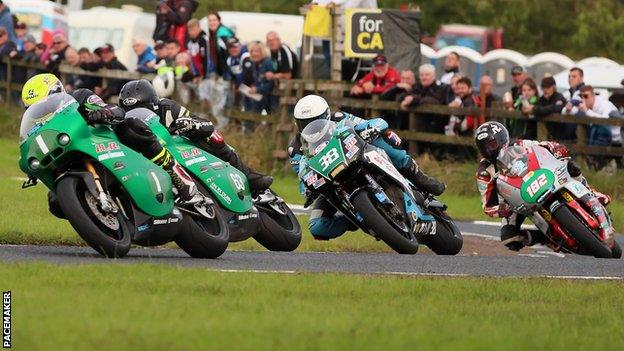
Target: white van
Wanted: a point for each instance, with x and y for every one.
(97, 26)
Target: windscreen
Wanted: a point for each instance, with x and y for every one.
(317, 134)
(43, 111)
(513, 161)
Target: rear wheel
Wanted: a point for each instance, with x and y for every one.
(447, 240)
(583, 235)
(279, 232)
(107, 233)
(382, 227)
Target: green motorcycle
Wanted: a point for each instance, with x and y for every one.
(111, 195)
(264, 216)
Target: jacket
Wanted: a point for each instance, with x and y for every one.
(382, 84)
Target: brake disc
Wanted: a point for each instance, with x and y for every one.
(108, 219)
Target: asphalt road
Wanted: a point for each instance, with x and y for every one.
(545, 264)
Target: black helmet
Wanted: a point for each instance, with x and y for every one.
(490, 138)
(138, 93)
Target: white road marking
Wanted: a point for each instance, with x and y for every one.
(498, 224)
(532, 255)
(484, 236)
(255, 271)
(42, 144)
(552, 253)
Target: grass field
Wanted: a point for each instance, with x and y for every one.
(152, 307)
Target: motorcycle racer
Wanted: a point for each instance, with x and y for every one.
(490, 138)
(178, 119)
(325, 223)
(130, 131)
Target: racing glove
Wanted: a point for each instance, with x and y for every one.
(101, 116)
(192, 126)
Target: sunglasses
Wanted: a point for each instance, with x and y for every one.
(585, 96)
(57, 42)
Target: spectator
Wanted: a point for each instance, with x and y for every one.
(518, 76)
(599, 107)
(428, 90)
(173, 48)
(85, 55)
(237, 56)
(57, 53)
(217, 49)
(110, 61)
(161, 54)
(451, 67)
(197, 46)
(552, 102)
(382, 78)
(255, 77)
(40, 49)
(404, 87)
(171, 19)
(453, 84)
(215, 26)
(184, 70)
(6, 21)
(73, 81)
(522, 128)
(464, 98)
(30, 55)
(575, 80)
(285, 61)
(146, 59)
(486, 85)
(7, 49)
(20, 36)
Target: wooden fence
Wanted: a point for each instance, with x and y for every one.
(290, 91)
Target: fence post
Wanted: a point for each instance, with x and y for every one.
(279, 133)
(8, 81)
(337, 44)
(374, 109)
(542, 131)
(581, 140)
(413, 144)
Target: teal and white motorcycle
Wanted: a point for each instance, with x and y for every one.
(360, 181)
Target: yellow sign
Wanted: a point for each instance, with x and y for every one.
(363, 33)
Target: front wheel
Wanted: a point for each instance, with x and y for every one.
(278, 232)
(203, 237)
(447, 240)
(107, 233)
(585, 237)
(382, 227)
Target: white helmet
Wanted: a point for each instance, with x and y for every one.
(310, 108)
(164, 84)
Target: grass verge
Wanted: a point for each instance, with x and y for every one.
(153, 307)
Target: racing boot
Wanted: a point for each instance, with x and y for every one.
(184, 184)
(423, 181)
(258, 182)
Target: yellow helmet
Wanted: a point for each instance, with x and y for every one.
(39, 87)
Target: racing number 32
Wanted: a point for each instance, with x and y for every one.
(329, 158)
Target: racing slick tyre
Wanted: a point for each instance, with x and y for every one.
(279, 232)
(107, 233)
(583, 235)
(382, 226)
(447, 240)
(202, 237)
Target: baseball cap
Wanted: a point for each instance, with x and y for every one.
(380, 60)
(232, 41)
(159, 44)
(548, 82)
(20, 25)
(103, 49)
(517, 70)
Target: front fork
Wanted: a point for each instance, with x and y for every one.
(105, 203)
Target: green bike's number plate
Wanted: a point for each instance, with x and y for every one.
(536, 184)
(328, 159)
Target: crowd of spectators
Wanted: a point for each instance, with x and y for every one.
(454, 90)
(201, 60)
